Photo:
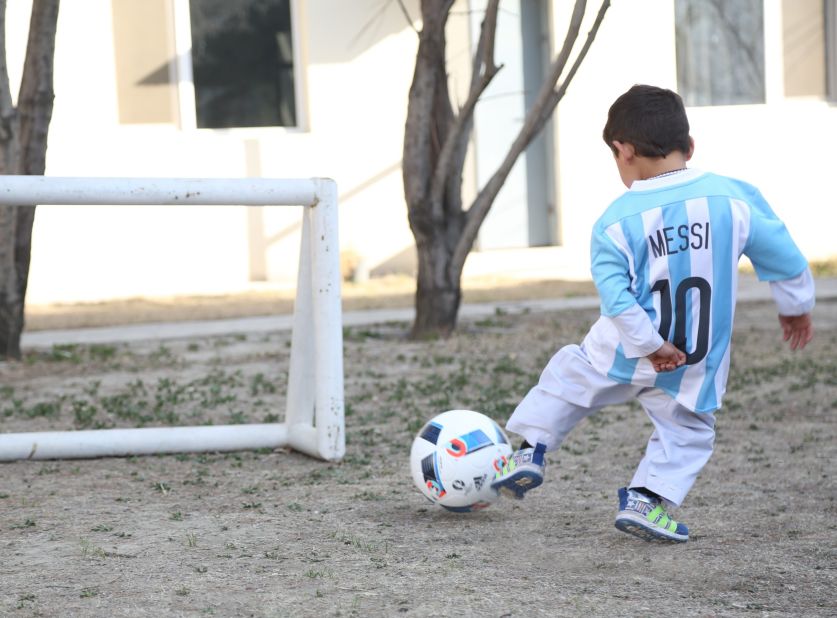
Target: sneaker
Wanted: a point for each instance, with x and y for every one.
(522, 472)
(646, 517)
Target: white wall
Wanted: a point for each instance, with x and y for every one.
(784, 147)
(355, 111)
(357, 65)
(635, 44)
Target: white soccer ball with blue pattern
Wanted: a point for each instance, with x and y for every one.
(454, 457)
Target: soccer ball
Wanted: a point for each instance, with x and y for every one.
(454, 457)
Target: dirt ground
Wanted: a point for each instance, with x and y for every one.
(280, 534)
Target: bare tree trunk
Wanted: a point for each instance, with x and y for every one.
(23, 144)
(9, 164)
(429, 120)
(435, 142)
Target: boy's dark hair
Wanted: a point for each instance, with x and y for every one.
(652, 119)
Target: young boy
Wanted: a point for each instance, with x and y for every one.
(665, 262)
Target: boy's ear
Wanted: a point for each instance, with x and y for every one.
(626, 149)
(691, 148)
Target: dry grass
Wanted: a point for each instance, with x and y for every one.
(274, 533)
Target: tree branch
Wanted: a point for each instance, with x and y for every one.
(8, 113)
(483, 71)
(406, 15)
(544, 105)
(556, 96)
(8, 161)
(36, 94)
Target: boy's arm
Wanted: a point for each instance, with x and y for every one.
(636, 332)
(794, 296)
(639, 338)
(797, 329)
(794, 299)
(777, 259)
(611, 268)
(667, 358)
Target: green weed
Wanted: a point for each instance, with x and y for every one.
(23, 599)
(90, 550)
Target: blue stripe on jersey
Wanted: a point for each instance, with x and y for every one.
(723, 261)
(634, 232)
(623, 368)
(679, 268)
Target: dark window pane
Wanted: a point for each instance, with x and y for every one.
(720, 51)
(242, 62)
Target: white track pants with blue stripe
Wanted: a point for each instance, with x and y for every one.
(570, 389)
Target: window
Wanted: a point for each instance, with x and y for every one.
(720, 51)
(206, 63)
(243, 63)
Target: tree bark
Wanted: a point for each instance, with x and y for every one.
(23, 144)
(431, 212)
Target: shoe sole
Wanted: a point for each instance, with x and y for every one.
(518, 483)
(646, 533)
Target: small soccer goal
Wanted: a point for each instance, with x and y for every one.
(314, 416)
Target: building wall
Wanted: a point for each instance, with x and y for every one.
(356, 66)
(780, 146)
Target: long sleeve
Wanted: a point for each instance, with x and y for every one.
(774, 255)
(794, 296)
(636, 332)
(611, 269)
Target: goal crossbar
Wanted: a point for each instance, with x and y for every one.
(314, 413)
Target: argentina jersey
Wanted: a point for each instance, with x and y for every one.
(670, 246)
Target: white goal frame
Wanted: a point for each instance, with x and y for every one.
(314, 416)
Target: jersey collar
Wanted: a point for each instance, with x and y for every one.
(666, 181)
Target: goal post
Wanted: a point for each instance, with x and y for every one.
(314, 414)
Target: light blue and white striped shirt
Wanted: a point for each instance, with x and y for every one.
(665, 261)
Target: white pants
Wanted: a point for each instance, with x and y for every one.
(570, 390)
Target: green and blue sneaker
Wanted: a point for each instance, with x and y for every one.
(646, 517)
(522, 472)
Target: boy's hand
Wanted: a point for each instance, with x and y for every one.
(667, 358)
(797, 329)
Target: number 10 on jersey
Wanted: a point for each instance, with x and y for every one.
(681, 317)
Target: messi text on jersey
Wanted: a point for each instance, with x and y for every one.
(670, 240)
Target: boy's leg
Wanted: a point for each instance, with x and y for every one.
(677, 451)
(569, 390)
(543, 420)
